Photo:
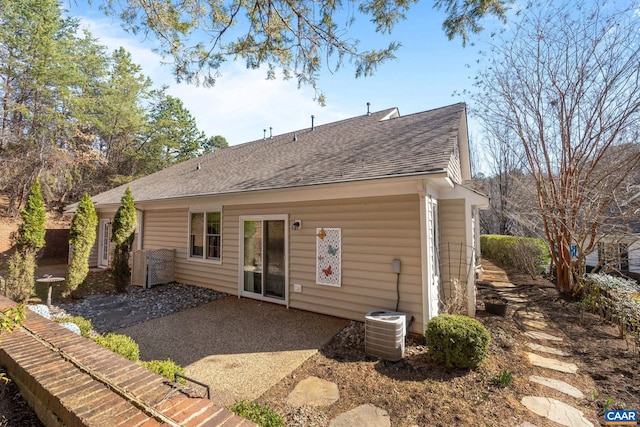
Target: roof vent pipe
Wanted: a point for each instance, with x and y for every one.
(198, 167)
(312, 117)
(264, 134)
(270, 132)
(368, 112)
(295, 136)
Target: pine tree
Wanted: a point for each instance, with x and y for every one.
(30, 239)
(122, 234)
(82, 236)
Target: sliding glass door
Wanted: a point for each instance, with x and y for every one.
(264, 262)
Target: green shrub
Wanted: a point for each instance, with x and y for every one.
(526, 254)
(503, 379)
(259, 414)
(82, 236)
(29, 240)
(85, 325)
(166, 368)
(457, 341)
(121, 344)
(20, 282)
(615, 299)
(122, 234)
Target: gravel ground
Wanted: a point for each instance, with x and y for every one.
(108, 313)
(240, 347)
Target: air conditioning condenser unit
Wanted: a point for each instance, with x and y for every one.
(385, 332)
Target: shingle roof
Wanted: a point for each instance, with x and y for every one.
(360, 148)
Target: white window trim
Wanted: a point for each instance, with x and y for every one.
(203, 258)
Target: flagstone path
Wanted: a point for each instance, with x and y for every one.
(534, 326)
(318, 392)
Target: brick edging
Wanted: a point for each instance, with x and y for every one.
(69, 380)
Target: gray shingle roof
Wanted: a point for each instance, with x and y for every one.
(360, 148)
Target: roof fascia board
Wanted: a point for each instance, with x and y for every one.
(369, 188)
(463, 147)
(461, 192)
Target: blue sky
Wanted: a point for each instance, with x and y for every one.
(428, 70)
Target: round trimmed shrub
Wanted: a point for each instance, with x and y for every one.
(121, 344)
(457, 341)
(85, 325)
(166, 368)
(260, 414)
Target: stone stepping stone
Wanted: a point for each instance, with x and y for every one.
(313, 391)
(549, 363)
(535, 324)
(532, 315)
(545, 349)
(503, 284)
(538, 335)
(364, 415)
(517, 300)
(561, 386)
(556, 411)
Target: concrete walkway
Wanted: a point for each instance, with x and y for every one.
(239, 347)
(544, 355)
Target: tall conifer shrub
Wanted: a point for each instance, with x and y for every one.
(122, 234)
(82, 236)
(30, 239)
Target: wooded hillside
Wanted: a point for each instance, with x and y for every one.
(77, 116)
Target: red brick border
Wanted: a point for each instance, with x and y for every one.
(71, 381)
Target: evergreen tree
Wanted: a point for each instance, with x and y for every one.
(122, 234)
(81, 238)
(293, 36)
(30, 239)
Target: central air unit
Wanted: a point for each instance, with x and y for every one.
(152, 267)
(384, 334)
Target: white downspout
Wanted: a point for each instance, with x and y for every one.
(426, 304)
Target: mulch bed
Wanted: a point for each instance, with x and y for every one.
(415, 391)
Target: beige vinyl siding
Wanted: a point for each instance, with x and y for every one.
(453, 243)
(455, 172)
(374, 231)
(169, 229)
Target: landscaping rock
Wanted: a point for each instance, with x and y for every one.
(313, 391)
(364, 415)
(556, 411)
(108, 313)
(40, 309)
(71, 326)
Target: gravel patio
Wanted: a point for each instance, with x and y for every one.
(240, 347)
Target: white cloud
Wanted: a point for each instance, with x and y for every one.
(240, 105)
(243, 103)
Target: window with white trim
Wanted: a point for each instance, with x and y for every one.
(205, 235)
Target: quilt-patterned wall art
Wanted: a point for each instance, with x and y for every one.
(328, 256)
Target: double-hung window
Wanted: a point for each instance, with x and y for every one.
(205, 236)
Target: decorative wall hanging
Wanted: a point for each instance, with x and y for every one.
(328, 256)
